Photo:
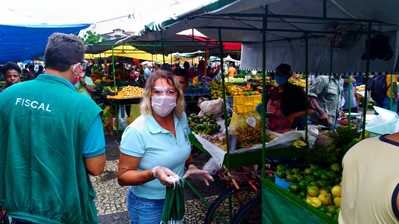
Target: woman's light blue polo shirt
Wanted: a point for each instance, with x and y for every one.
(156, 146)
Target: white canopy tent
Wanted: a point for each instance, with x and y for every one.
(128, 15)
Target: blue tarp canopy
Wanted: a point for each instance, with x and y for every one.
(18, 43)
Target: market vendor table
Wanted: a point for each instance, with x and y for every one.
(124, 101)
(249, 156)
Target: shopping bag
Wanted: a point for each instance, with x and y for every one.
(122, 118)
(173, 209)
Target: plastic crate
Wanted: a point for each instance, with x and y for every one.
(246, 104)
(281, 183)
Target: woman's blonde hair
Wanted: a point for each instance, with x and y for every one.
(146, 107)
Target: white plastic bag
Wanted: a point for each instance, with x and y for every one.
(212, 166)
(211, 107)
(386, 122)
(122, 118)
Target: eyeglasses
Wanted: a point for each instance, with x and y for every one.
(163, 91)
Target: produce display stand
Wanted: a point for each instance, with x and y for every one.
(278, 205)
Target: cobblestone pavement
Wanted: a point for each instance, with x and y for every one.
(110, 200)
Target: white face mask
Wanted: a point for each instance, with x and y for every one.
(76, 75)
(163, 105)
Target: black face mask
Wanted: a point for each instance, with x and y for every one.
(281, 79)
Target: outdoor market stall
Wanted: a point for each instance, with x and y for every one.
(267, 24)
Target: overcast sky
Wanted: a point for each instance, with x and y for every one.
(23, 12)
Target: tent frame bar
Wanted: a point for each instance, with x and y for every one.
(278, 30)
(286, 16)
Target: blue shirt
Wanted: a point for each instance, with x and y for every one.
(156, 146)
(94, 144)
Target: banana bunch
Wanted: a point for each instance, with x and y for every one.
(297, 82)
(216, 90)
(235, 90)
(131, 91)
(299, 144)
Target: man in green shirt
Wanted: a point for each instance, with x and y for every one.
(51, 138)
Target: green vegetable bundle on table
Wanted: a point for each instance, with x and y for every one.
(203, 124)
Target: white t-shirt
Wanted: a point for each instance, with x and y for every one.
(370, 183)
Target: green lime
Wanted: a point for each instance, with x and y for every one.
(307, 171)
(331, 209)
(295, 171)
(313, 191)
(302, 184)
(293, 188)
(280, 173)
(335, 167)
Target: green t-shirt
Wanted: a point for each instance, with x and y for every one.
(43, 126)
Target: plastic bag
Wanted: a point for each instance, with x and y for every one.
(212, 166)
(386, 122)
(211, 107)
(247, 128)
(122, 118)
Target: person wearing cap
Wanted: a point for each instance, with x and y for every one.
(51, 138)
(12, 74)
(286, 106)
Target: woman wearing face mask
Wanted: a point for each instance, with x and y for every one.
(155, 148)
(287, 103)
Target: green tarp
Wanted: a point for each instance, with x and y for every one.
(280, 206)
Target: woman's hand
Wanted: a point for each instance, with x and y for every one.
(195, 173)
(165, 175)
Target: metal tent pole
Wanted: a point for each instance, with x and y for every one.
(113, 66)
(263, 118)
(350, 98)
(225, 113)
(331, 56)
(306, 85)
(163, 47)
(366, 79)
(263, 114)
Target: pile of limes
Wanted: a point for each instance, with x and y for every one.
(319, 187)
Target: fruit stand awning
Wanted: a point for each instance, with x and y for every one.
(18, 43)
(288, 47)
(129, 51)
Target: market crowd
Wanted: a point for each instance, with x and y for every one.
(52, 138)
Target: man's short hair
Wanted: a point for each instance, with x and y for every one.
(11, 66)
(284, 69)
(62, 51)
